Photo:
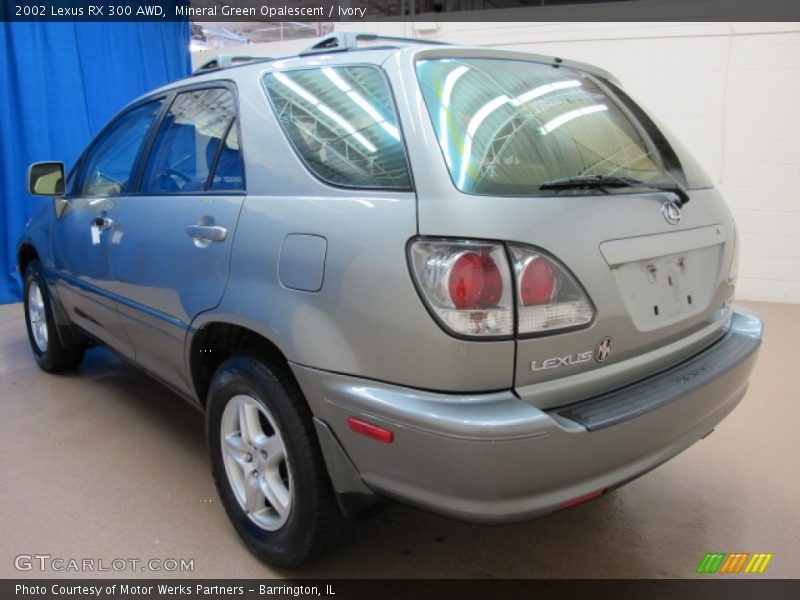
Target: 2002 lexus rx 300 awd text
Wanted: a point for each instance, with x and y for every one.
(481, 282)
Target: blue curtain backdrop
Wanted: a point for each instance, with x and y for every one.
(59, 84)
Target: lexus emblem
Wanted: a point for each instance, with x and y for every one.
(671, 212)
(603, 349)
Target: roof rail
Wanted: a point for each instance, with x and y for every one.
(342, 41)
(226, 61)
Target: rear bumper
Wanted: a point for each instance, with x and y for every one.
(493, 458)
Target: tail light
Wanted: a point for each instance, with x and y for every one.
(549, 297)
(468, 287)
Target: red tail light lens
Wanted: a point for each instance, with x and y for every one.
(549, 298)
(475, 281)
(537, 283)
(466, 280)
(466, 284)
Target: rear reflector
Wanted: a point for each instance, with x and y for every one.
(370, 430)
(581, 499)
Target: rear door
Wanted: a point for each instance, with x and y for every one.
(85, 232)
(655, 273)
(171, 258)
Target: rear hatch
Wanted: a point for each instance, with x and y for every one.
(655, 269)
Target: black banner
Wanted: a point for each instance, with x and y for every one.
(393, 10)
(371, 589)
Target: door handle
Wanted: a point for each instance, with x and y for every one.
(102, 222)
(207, 233)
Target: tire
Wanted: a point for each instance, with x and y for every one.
(50, 353)
(291, 515)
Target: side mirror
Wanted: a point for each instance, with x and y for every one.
(46, 179)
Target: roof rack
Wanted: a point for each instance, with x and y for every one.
(225, 61)
(342, 41)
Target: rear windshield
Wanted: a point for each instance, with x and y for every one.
(342, 123)
(506, 127)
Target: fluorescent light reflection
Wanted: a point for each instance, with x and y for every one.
(570, 116)
(487, 109)
(362, 102)
(477, 119)
(297, 89)
(336, 79)
(325, 109)
(545, 89)
(444, 109)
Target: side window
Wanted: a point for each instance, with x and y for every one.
(107, 167)
(228, 169)
(196, 137)
(342, 123)
(70, 181)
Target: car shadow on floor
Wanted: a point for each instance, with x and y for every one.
(402, 541)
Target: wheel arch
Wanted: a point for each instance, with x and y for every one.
(26, 252)
(215, 340)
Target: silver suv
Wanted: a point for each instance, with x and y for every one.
(482, 282)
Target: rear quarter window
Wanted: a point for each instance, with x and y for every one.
(342, 123)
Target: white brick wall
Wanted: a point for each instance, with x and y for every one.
(730, 91)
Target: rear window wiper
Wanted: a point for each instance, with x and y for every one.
(602, 182)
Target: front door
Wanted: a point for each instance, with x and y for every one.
(84, 234)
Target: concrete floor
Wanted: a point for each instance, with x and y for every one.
(107, 464)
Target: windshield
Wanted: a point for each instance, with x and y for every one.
(506, 127)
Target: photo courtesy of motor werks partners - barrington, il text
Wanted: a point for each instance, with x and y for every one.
(169, 590)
